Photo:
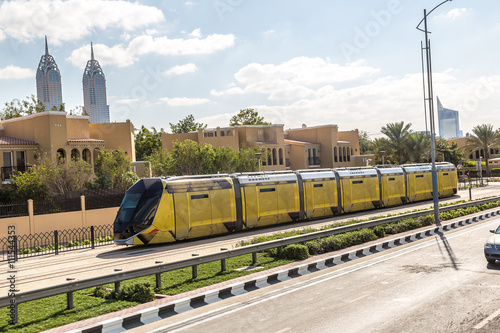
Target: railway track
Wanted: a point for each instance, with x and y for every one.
(44, 271)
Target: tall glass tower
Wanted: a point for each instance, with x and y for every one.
(48, 82)
(94, 91)
(449, 125)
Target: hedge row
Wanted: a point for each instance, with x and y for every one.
(348, 239)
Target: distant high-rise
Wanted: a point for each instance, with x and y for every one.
(94, 91)
(449, 126)
(48, 82)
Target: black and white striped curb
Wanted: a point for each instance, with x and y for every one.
(146, 316)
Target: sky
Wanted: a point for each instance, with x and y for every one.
(356, 64)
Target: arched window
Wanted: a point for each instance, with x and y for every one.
(275, 157)
(75, 154)
(348, 155)
(269, 157)
(335, 154)
(86, 156)
(61, 155)
(340, 154)
(344, 154)
(281, 156)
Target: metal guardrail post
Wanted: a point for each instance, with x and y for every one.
(92, 237)
(14, 315)
(194, 271)
(69, 300)
(56, 242)
(158, 280)
(254, 258)
(223, 265)
(117, 287)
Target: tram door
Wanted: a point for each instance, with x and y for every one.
(181, 207)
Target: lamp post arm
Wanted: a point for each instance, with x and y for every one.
(418, 25)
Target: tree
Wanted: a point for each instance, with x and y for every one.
(226, 160)
(451, 152)
(112, 169)
(397, 134)
(162, 163)
(247, 117)
(484, 138)
(17, 108)
(191, 158)
(248, 160)
(186, 125)
(365, 144)
(417, 147)
(147, 142)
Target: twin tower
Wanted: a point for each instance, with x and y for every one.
(49, 87)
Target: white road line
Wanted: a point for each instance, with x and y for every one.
(487, 320)
(214, 314)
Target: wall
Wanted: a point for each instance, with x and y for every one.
(77, 127)
(352, 137)
(168, 140)
(58, 221)
(117, 136)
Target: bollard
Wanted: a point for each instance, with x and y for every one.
(470, 193)
(195, 271)
(117, 287)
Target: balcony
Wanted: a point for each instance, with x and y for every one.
(8, 171)
(314, 161)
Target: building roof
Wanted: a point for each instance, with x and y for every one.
(297, 142)
(12, 141)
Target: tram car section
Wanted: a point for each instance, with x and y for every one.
(360, 189)
(418, 182)
(321, 193)
(447, 179)
(269, 198)
(392, 186)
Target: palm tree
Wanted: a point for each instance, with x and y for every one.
(484, 138)
(417, 145)
(397, 134)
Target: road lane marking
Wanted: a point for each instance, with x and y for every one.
(487, 320)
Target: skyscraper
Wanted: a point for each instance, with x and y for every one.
(449, 126)
(48, 81)
(94, 91)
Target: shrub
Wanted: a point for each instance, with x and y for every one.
(138, 292)
(101, 291)
(379, 231)
(291, 252)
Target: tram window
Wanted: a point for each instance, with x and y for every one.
(445, 174)
(267, 189)
(199, 196)
(419, 176)
(392, 179)
(318, 185)
(357, 182)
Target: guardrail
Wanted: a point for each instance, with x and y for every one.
(253, 249)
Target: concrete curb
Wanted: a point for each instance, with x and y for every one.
(146, 316)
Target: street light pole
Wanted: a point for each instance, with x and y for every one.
(383, 155)
(430, 100)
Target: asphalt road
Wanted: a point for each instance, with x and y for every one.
(439, 284)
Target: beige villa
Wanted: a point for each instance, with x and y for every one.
(293, 149)
(61, 136)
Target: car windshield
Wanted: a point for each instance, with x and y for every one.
(498, 230)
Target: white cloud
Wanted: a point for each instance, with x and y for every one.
(454, 13)
(196, 33)
(184, 101)
(182, 69)
(217, 120)
(14, 72)
(163, 45)
(296, 78)
(127, 101)
(26, 20)
(115, 55)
